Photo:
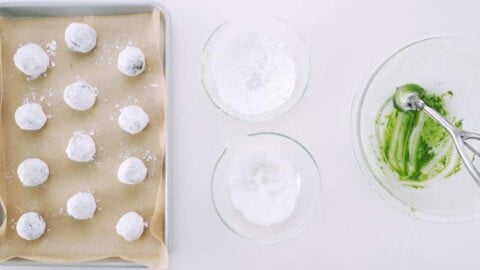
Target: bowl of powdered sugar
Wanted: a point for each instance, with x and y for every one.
(265, 186)
(255, 68)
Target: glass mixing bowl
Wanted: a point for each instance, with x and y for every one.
(274, 28)
(309, 186)
(439, 64)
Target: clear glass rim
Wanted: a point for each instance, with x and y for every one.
(317, 196)
(359, 149)
(256, 117)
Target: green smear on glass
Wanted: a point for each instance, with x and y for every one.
(413, 145)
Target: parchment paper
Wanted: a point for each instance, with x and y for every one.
(66, 239)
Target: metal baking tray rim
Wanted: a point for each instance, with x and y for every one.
(10, 9)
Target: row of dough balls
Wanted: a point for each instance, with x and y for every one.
(33, 172)
(80, 96)
(33, 61)
(31, 225)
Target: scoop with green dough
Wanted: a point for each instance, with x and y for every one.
(413, 145)
(408, 97)
(413, 98)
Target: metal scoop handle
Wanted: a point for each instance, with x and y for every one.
(459, 138)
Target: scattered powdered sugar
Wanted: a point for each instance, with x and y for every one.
(151, 85)
(105, 54)
(31, 60)
(80, 96)
(33, 172)
(10, 171)
(51, 48)
(133, 99)
(81, 148)
(81, 206)
(30, 116)
(131, 61)
(90, 132)
(149, 156)
(130, 226)
(154, 85)
(34, 96)
(264, 187)
(254, 73)
(80, 37)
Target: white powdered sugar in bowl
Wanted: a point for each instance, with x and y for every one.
(255, 68)
(254, 73)
(264, 188)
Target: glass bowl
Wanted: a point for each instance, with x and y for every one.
(276, 29)
(439, 64)
(302, 162)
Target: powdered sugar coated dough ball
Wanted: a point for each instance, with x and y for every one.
(31, 226)
(32, 172)
(81, 206)
(132, 171)
(81, 148)
(80, 96)
(80, 37)
(130, 226)
(31, 60)
(133, 119)
(30, 116)
(131, 61)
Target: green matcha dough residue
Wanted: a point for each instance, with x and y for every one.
(413, 145)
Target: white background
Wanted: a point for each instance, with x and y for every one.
(353, 227)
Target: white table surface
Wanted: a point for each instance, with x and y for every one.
(353, 227)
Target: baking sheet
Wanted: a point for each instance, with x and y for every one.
(68, 240)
